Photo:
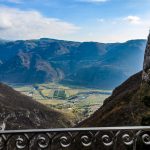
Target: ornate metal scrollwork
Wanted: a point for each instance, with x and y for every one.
(86, 139)
(115, 138)
(65, 142)
(127, 137)
(21, 142)
(107, 140)
(146, 139)
(43, 141)
(61, 140)
(2, 142)
(39, 141)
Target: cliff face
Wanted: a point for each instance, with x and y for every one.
(146, 65)
(18, 111)
(129, 104)
(121, 108)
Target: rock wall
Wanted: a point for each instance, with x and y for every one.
(146, 65)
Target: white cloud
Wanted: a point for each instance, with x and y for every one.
(17, 24)
(93, 1)
(101, 20)
(115, 30)
(133, 19)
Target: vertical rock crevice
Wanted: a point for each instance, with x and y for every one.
(146, 65)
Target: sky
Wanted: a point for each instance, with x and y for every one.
(76, 20)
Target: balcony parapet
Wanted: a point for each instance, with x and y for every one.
(109, 138)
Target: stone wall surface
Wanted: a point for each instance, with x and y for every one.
(146, 65)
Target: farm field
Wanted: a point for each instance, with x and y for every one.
(75, 102)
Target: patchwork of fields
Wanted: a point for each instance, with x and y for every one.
(75, 102)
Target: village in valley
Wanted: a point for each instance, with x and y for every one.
(76, 102)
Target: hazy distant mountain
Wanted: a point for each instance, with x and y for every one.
(88, 64)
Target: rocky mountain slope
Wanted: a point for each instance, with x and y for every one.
(18, 111)
(88, 64)
(129, 104)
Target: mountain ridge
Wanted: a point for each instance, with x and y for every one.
(91, 64)
(18, 111)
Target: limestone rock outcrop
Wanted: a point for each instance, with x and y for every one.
(146, 65)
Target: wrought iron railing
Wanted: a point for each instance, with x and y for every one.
(111, 138)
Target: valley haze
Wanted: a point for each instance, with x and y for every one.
(72, 79)
(86, 64)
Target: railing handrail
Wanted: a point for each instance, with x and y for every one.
(77, 129)
(93, 138)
